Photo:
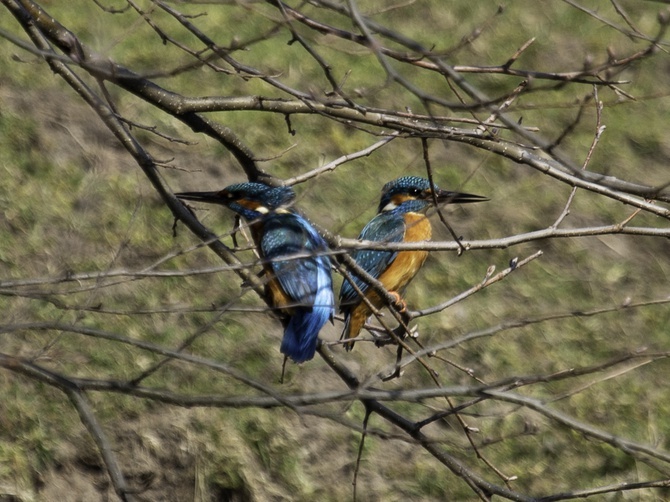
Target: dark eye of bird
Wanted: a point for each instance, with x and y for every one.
(414, 191)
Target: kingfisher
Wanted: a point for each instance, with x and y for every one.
(296, 267)
(400, 218)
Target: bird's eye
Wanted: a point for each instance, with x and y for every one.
(414, 191)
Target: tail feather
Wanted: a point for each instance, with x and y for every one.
(354, 322)
(302, 332)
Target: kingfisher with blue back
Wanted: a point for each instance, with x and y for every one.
(401, 218)
(297, 268)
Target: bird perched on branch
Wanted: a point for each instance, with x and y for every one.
(297, 272)
(401, 218)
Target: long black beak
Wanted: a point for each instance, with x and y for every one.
(456, 197)
(209, 197)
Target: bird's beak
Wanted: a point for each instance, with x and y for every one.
(209, 197)
(456, 197)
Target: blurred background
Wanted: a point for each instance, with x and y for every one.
(88, 246)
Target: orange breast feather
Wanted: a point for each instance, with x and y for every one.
(408, 263)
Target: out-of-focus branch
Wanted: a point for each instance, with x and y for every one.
(479, 485)
(512, 240)
(189, 110)
(35, 18)
(29, 13)
(88, 419)
(570, 422)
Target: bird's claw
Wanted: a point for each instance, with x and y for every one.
(398, 303)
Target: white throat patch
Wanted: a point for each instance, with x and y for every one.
(389, 207)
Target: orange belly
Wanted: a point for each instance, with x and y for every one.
(408, 263)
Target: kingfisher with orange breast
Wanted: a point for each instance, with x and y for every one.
(401, 218)
(296, 267)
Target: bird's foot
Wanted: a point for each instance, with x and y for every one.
(398, 303)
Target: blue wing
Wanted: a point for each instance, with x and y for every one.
(306, 280)
(385, 227)
(287, 235)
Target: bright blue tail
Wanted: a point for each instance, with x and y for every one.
(302, 331)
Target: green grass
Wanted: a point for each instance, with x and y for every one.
(73, 202)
